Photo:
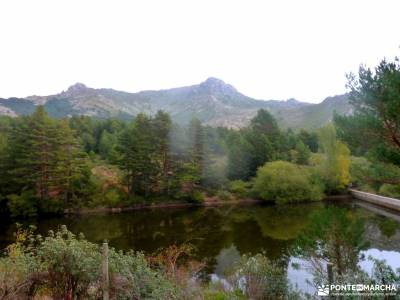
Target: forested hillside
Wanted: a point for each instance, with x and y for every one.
(48, 165)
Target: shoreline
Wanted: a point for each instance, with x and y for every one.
(210, 202)
(84, 211)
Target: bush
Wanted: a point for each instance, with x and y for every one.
(390, 190)
(284, 182)
(71, 264)
(359, 168)
(259, 278)
(22, 205)
(224, 195)
(63, 266)
(197, 197)
(240, 188)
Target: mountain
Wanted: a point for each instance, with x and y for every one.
(314, 115)
(213, 101)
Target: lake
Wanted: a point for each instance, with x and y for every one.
(221, 234)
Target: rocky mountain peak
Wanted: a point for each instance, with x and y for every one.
(217, 86)
(75, 90)
(77, 87)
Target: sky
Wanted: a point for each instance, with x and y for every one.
(266, 49)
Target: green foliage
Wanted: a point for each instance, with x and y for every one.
(23, 205)
(214, 174)
(153, 165)
(335, 167)
(310, 139)
(136, 146)
(224, 195)
(64, 266)
(353, 130)
(44, 166)
(300, 154)
(106, 144)
(284, 182)
(359, 167)
(17, 267)
(377, 175)
(390, 190)
(383, 273)
(261, 142)
(240, 188)
(73, 264)
(239, 158)
(195, 196)
(264, 123)
(336, 237)
(57, 162)
(374, 128)
(259, 278)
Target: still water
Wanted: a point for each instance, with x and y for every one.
(221, 234)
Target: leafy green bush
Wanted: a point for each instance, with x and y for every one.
(110, 198)
(259, 278)
(22, 205)
(373, 173)
(63, 266)
(192, 196)
(240, 188)
(390, 190)
(17, 267)
(224, 195)
(197, 197)
(284, 182)
(72, 264)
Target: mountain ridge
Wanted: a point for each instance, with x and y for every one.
(213, 101)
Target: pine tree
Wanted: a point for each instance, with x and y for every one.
(71, 167)
(196, 150)
(137, 146)
(35, 154)
(240, 158)
(162, 127)
(46, 160)
(3, 168)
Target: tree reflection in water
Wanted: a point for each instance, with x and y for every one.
(336, 236)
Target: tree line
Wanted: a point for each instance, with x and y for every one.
(47, 164)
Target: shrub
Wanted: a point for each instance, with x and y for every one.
(359, 168)
(16, 269)
(66, 267)
(259, 278)
(240, 188)
(224, 195)
(71, 264)
(194, 197)
(22, 205)
(390, 190)
(284, 182)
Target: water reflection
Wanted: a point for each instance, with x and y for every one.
(221, 235)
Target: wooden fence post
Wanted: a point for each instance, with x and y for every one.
(105, 276)
(329, 267)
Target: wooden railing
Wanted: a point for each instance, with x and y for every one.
(388, 202)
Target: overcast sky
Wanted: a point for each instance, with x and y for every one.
(266, 49)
